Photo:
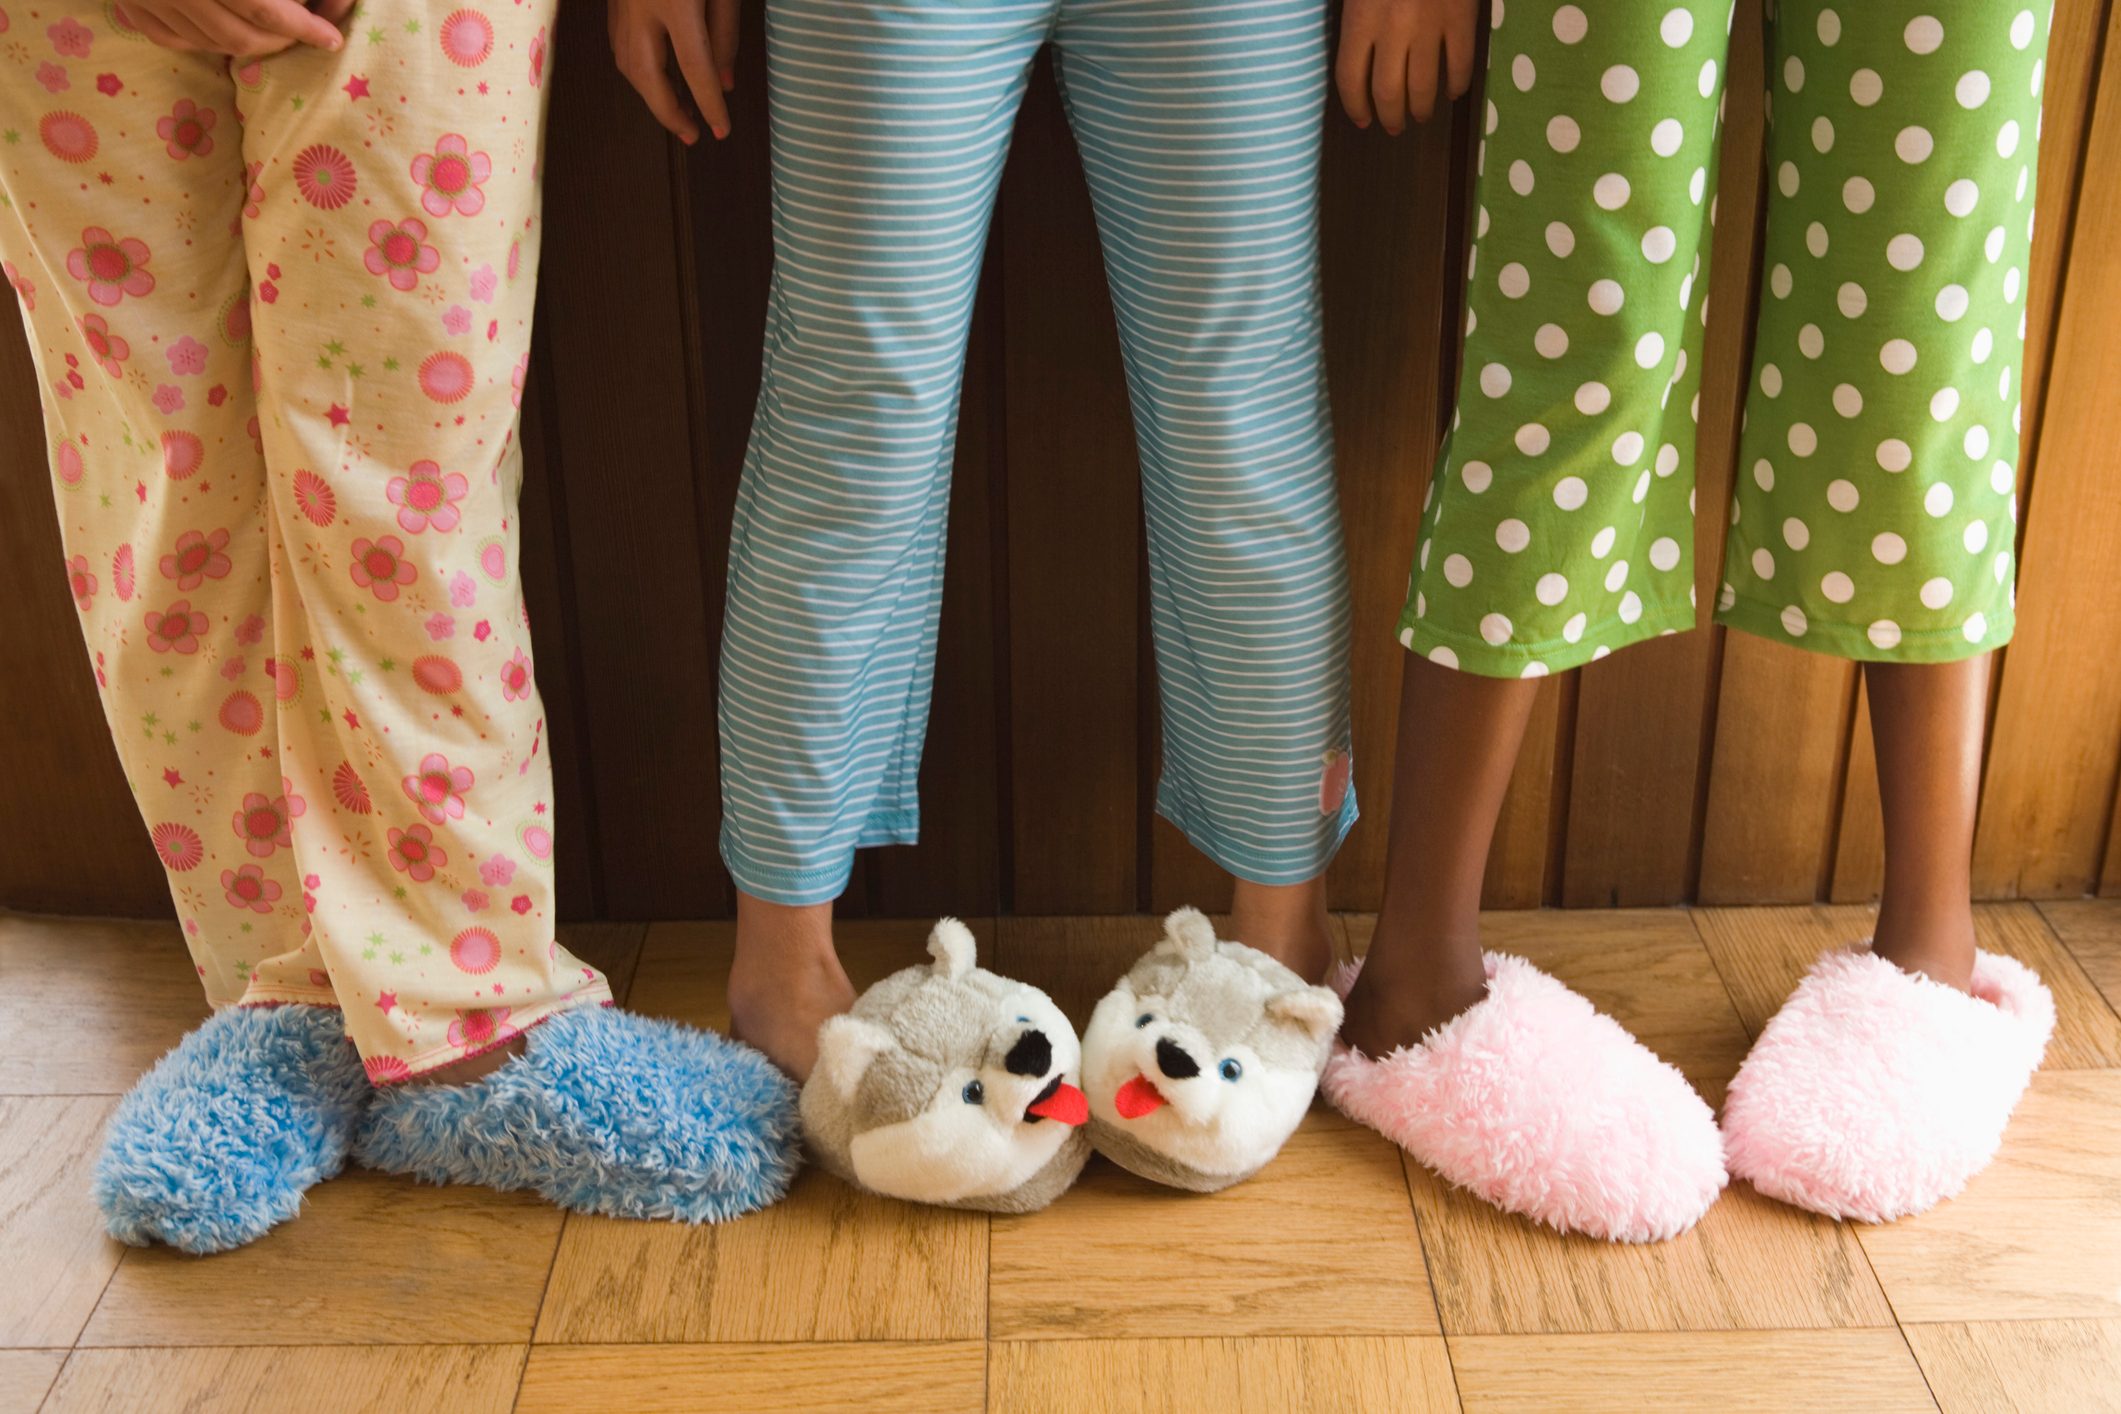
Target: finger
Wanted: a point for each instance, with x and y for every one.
(722, 33)
(285, 17)
(1424, 63)
(696, 63)
(642, 64)
(181, 25)
(1351, 76)
(1458, 49)
(336, 11)
(158, 33)
(227, 33)
(1388, 86)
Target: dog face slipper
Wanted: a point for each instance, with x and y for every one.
(947, 1084)
(1202, 1061)
(1538, 1102)
(1874, 1093)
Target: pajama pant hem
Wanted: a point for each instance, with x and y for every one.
(799, 888)
(1473, 654)
(1242, 863)
(1853, 641)
(448, 1055)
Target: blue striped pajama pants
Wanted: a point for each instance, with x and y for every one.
(1199, 123)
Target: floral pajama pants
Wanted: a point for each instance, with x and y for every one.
(281, 310)
(1873, 515)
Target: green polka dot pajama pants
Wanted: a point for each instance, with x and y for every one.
(1873, 511)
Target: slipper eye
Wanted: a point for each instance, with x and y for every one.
(1143, 1020)
(1230, 1070)
(975, 1093)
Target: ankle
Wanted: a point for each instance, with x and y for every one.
(1287, 922)
(1410, 985)
(785, 981)
(1928, 938)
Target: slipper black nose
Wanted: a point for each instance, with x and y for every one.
(1172, 1060)
(1031, 1055)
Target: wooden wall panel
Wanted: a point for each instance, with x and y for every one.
(1643, 716)
(70, 838)
(616, 361)
(1074, 540)
(2048, 795)
(1722, 768)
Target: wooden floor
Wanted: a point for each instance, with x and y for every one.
(1341, 1279)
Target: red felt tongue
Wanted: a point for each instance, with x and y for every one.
(1138, 1097)
(1066, 1104)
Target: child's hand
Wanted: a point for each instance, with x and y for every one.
(249, 28)
(703, 32)
(1391, 52)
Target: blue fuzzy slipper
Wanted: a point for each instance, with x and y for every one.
(218, 1142)
(604, 1112)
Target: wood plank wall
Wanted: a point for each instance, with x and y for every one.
(1705, 766)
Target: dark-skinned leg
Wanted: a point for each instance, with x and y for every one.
(1926, 719)
(1458, 739)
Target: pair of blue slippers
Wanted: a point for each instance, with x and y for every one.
(604, 1112)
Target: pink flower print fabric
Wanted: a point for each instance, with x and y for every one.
(280, 311)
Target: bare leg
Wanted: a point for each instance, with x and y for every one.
(1285, 921)
(1458, 740)
(1926, 719)
(785, 981)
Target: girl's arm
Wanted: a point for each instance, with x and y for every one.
(702, 32)
(1392, 52)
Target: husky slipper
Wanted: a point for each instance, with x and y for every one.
(604, 1112)
(220, 1140)
(1546, 1107)
(1875, 1093)
(1203, 1060)
(947, 1084)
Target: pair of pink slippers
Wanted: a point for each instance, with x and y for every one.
(1873, 1094)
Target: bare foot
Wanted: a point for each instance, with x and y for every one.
(785, 981)
(1934, 943)
(1287, 922)
(1408, 989)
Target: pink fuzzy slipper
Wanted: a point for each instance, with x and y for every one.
(1543, 1105)
(1874, 1093)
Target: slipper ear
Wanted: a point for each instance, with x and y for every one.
(1188, 933)
(1313, 1010)
(951, 945)
(846, 1045)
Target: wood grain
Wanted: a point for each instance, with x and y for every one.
(129, 985)
(1074, 541)
(92, 855)
(612, 358)
(828, 1263)
(51, 1237)
(1782, 722)
(2092, 933)
(1763, 953)
(2037, 1234)
(1347, 1375)
(371, 1260)
(2029, 1367)
(464, 1379)
(2048, 795)
(947, 1378)
(1859, 844)
(25, 1377)
(1391, 335)
(1728, 1371)
(1643, 716)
